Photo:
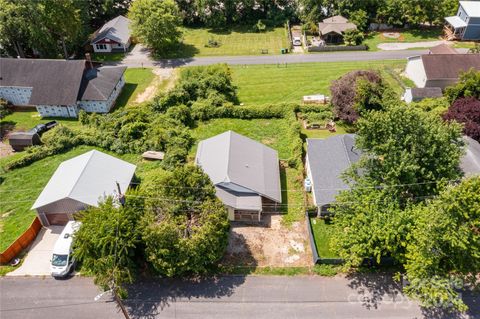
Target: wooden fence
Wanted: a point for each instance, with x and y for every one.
(22, 242)
(331, 48)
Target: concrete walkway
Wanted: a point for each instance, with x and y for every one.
(37, 261)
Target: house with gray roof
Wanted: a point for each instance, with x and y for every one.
(113, 36)
(331, 30)
(60, 88)
(81, 182)
(246, 174)
(325, 163)
(470, 161)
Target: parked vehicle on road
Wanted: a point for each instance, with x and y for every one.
(63, 262)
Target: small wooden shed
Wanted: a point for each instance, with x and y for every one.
(21, 140)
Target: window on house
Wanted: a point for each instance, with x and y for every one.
(101, 46)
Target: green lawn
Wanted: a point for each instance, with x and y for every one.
(270, 132)
(108, 57)
(136, 81)
(322, 233)
(261, 84)
(373, 39)
(236, 41)
(22, 186)
(25, 120)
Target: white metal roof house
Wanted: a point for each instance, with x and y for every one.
(326, 161)
(246, 174)
(60, 88)
(466, 24)
(113, 36)
(81, 182)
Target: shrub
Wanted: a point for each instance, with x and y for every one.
(357, 91)
(4, 110)
(467, 112)
(259, 26)
(353, 37)
(468, 86)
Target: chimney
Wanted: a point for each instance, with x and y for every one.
(89, 60)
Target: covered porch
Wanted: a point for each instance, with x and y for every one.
(454, 28)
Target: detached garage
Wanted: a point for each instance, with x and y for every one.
(81, 182)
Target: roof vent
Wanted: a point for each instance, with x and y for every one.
(66, 236)
(246, 165)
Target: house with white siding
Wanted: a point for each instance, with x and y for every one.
(113, 36)
(60, 88)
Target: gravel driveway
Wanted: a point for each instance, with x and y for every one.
(394, 46)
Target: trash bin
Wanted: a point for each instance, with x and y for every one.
(282, 51)
(286, 50)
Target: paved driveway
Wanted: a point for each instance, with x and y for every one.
(37, 262)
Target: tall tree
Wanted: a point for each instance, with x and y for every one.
(14, 22)
(443, 254)
(408, 156)
(156, 23)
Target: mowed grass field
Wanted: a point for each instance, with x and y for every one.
(322, 233)
(262, 84)
(236, 41)
(21, 187)
(373, 39)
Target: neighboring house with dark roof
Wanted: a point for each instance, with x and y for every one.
(325, 163)
(466, 24)
(443, 49)
(418, 94)
(246, 174)
(113, 36)
(439, 70)
(331, 30)
(470, 162)
(81, 182)
(60, 87)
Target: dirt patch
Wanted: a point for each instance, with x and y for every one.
(391, 35)
(274, 245)
(161, 75)
(5, 149)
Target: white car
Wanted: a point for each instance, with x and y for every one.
(297, 41)
(63, 262)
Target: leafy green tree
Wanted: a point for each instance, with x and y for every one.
(405, 146)
(353, 37)
(443, 253)
(108, 242)
(156, 23)
(360, 19)
(407, 156)
(185, 226)
(4, 111)
(100, 11)
(468, 86)
(14, 22)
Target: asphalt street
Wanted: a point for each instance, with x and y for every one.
(142, 60)
(366, 296)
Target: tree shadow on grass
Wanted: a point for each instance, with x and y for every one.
(6, 127)
(125, 95)
(180, 51)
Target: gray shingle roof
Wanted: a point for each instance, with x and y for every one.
(328, 159)
(116, 29)
(427, 92)
(54, 82)
(238, 162)
(470, 162)
(336, 24)
(98, 84)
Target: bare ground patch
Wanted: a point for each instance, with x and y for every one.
(164, 77)
(275, 245)
(5, 149)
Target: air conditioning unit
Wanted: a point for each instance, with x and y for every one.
(308, 185)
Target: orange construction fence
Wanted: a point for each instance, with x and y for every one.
(22, 242)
